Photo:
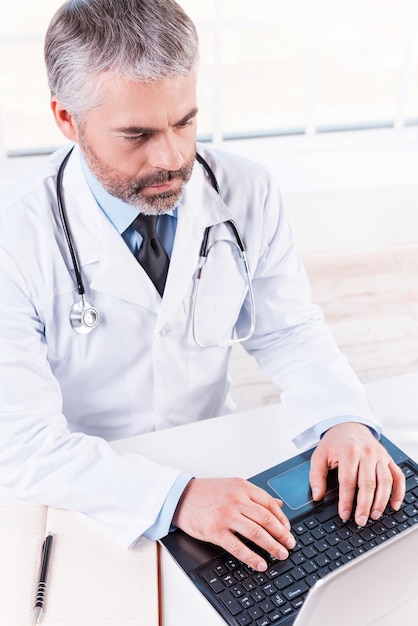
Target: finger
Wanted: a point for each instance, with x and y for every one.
(263, 528)
(268, 515)
(233, 544)
(281, 515)
(347, 479)
(383, 490)
(263, 499)
(275, 506)
(398, 487)
(367, 488)
(375, 485)
(263, 540)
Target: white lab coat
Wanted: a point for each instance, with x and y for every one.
(62, 395)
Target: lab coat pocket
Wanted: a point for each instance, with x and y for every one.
(215, 319)
(218, 297)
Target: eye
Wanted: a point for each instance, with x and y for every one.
(134, 138)
(186, 123)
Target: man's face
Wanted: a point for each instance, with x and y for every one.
(140, 142)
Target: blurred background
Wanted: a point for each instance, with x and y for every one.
(325, 94)
(273, 67)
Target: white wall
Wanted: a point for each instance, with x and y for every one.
(352, 190)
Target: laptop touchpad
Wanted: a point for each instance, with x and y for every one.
(293, 486)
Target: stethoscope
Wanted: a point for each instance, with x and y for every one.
(84, 317)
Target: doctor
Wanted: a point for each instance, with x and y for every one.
(122, 75)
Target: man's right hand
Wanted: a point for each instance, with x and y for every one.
(215, 509)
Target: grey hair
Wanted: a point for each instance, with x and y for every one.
(142, 40)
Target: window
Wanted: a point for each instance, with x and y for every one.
(304, 66)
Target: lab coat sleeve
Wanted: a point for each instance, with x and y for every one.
(291, 342)
(40, 459)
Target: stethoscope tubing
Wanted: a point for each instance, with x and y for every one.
(227, 342)
(81, 311)
(65, 227)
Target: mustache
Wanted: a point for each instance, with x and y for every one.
(162, 176)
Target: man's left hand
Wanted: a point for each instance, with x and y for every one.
(362, 462)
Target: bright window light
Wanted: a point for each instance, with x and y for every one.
(267, 68)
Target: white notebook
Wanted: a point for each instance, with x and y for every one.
(91, 579)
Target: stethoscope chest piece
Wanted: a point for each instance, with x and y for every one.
(83, 317)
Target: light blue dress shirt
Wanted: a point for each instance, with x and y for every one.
(122, 214)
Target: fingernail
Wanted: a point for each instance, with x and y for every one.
(345, 516)
(261, 566)
(362, 520)
(283, 554)
(291, 542)
(375, 514)
(397, 505)
(315, 493)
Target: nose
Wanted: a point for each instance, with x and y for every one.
(165, 152)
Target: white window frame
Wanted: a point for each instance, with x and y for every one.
(316, 20)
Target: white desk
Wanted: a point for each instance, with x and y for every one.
(245, 444)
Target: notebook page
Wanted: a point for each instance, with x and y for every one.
(93, 581)
(22, 531)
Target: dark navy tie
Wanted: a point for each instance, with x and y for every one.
(151, 254)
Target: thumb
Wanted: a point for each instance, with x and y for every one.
(318, 474)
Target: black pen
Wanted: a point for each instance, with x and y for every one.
(43, 573)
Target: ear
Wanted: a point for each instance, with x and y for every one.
(64, 120)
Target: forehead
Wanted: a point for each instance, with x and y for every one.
(124, 101)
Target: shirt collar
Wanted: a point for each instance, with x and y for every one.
(120, 213)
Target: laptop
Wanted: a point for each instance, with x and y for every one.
(377, 589)
(337, 571)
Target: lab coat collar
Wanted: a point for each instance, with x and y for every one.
(201, 206)
(113, 268)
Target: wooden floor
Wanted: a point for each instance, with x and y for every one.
(370, 302)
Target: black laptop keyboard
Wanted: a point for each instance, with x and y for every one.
(245, 597)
